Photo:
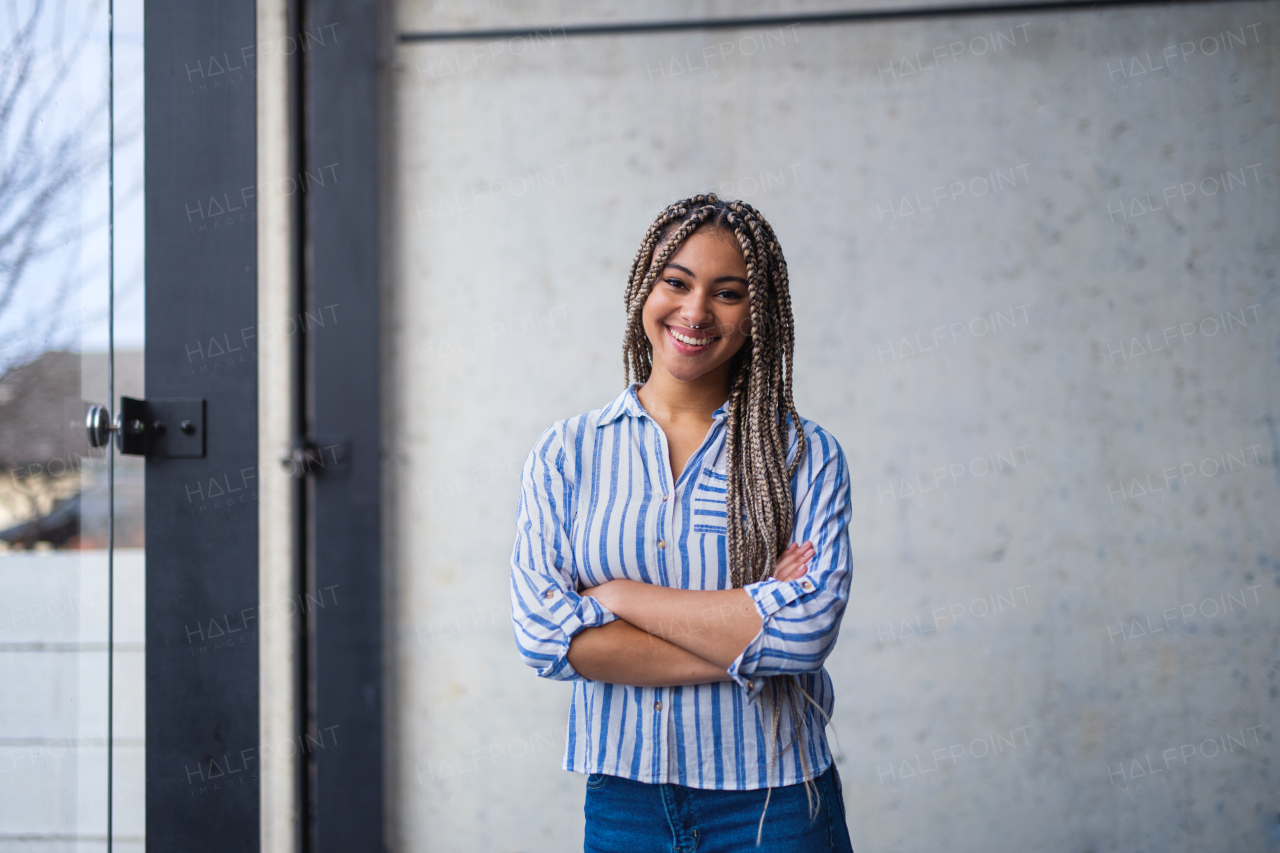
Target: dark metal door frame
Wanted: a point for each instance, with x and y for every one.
(202, 789)
(342, 416)
(202, 553)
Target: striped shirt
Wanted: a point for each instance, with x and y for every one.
(597, 503)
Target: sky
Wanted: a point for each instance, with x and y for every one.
(80, 222)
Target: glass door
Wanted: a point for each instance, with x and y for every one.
(71, 515)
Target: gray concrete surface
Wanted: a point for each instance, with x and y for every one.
(1034, 270)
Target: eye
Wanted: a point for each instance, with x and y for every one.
(729, 294)
(674, 282)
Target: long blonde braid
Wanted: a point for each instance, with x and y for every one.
(760, 510)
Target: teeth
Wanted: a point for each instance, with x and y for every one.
(693, 342)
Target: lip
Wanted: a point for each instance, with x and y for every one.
(687, 349)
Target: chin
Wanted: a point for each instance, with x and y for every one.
(687, 369)
(690, 375)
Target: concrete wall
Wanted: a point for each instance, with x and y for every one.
(1034, 288)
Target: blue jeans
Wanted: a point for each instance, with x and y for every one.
(624, 816)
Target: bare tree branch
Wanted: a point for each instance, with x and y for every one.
(46, 154)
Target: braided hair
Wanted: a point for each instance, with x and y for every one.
(760, 509)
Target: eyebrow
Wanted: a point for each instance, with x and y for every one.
(690, 272)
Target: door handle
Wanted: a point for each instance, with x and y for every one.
(172, 428)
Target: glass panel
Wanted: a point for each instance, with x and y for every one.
(56, 147)
(1032, 261)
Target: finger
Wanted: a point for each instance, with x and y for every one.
(791, 559)
(784, 571)
(791, 572)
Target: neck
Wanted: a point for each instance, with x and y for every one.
(666, 396)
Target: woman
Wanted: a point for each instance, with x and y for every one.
(682, 556)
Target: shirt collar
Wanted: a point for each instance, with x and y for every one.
(627, 403)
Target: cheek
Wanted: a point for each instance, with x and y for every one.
(655, 307)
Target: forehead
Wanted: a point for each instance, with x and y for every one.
(705, 247)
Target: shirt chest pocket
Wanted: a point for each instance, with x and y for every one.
(709, 503)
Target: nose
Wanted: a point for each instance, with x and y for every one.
(696, 311)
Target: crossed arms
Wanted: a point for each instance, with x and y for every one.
(665, 637)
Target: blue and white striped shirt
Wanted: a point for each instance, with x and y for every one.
(597, 503)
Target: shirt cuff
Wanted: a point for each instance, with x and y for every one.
(573, 613)
(769, 596)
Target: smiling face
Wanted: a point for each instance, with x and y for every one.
(698, 314)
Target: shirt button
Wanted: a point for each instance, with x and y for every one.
(549, 593)
(661, 544)
(751, 685)
(664, 498)
(657, 706)
(806, 586)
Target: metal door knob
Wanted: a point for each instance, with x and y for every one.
(98, 425)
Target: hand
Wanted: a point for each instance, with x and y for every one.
(793, 562)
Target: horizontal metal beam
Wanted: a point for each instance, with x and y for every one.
(860, 16)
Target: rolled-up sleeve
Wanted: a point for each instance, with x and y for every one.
(545, 605)
(801, 618)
